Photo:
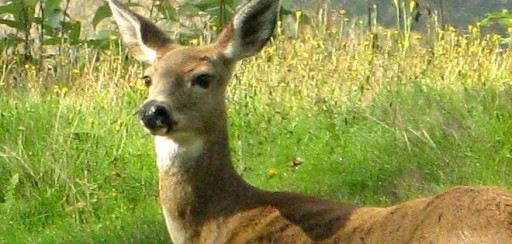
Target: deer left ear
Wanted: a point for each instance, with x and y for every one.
(251, 28)
(144, 39)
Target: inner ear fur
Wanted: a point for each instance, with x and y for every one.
(144, 39)
(250, 29)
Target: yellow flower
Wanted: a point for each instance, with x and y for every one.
(193, 41)
(62, 60)
(272, 172)
(298, 14)
(412, 5)
(119, 126)
(60, 91)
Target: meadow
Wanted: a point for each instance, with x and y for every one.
(333, 112)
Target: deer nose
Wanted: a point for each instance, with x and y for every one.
(155, 116)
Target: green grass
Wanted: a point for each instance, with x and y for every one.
(372, 126)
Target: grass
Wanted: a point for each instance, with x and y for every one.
(369, 124)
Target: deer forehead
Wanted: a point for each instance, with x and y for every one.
(183, 61)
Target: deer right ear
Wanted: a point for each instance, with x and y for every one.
(144, 39)
(251, 28)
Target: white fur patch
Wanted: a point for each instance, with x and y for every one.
(232, 50)
(177, 151)
(176, 230)
(150, 53)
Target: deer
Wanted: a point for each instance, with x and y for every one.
(205, 200)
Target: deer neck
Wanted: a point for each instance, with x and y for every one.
(198, 183)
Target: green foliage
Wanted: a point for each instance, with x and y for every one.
(51, 19)
(57, 28)
(101, 13)
(503, 18)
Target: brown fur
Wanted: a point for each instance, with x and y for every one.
(247, 215)
(204, 200)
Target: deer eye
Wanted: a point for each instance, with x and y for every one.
(202, 80)
(147, 80)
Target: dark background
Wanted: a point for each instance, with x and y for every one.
(457, 13)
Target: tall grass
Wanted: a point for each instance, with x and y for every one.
(327, 113)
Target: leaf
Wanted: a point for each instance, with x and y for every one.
(98, 43)
(504, 18)
(504, 21)
(189, 10)
(191, 2)
(102, 40)
(167, 10)
(52, 41)
(507, 41)
(104, 34)
(10, 9)
(287, 4)
(14, 24)
(52, 13)
(208, 4)
(73, 29)
(11, 40)
(30, 3)
(102, 13)
(50, 7)
(485, 22)
(53, 18)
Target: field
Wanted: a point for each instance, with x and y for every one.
(333, 113)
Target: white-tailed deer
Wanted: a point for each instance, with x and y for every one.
(203, 198)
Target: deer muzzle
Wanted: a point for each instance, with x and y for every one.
(156, 118)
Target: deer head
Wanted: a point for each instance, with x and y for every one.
(187, 84)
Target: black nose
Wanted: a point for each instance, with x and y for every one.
(155, 116)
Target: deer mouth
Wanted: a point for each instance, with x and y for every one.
(157, 130)
(158, 126)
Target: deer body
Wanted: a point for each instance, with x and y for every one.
(214, 205)
(203, 198)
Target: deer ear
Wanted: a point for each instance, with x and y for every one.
(251, 28)
(144, 39)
